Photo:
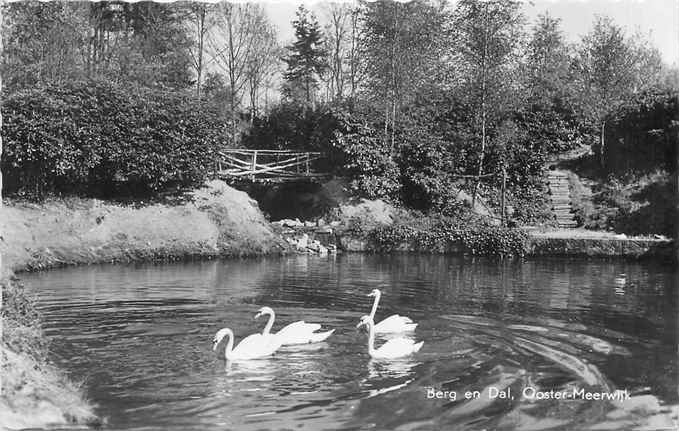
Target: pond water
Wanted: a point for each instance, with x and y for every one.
(139, 338)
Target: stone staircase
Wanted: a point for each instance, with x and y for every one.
(560, 196)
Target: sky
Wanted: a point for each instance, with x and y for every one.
(658, 20)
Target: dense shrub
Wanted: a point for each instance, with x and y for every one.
(437, 234)
(643, 135)
(635, 205)
(98, 137)
(427, 172)
(293, 126)
(367, 159)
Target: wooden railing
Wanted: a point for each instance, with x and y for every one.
(266, 165)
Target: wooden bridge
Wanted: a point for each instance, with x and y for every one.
(266, 165)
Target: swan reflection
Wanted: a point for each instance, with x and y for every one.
(253, 370)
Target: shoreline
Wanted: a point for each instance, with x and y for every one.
(217, 222)
(542, 244)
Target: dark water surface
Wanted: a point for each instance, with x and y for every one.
(139, 338)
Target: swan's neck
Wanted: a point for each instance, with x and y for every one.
(269, 324)
(375, 302)
(371, 338)
(229, 345)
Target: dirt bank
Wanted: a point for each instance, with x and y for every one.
(214, 221)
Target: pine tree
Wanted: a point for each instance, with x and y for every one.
(307, 59)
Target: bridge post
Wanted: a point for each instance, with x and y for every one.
(307, 163)
(254, 162)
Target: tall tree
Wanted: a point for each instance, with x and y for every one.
(612, 67)
(339, 38)
(262, 64)
(488, 37)
(306, 60)
(233, 45)
(200, 19)
(401, 46)
(547, 60)
(43, 42)
(353, 56)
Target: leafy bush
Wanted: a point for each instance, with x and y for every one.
(98, 137)
(635, 205)
(477, 237)
(368, 160)
(427, 168)
(642, 136)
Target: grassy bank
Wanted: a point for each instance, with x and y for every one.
(213, 221)
(34, 393)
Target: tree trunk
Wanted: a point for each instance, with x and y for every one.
(386, 123)
(481, 156)
(602, 158)
(502, 197)
(1, 51)
(201, 38)
(483, 117)
(675, 131)
(393, 125)
(394, 42)
(232, 78)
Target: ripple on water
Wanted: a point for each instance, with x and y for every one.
(140, 337)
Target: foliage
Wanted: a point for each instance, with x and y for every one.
(94, 136)
(402, 48)
(635, 205)
(307, 58)
(642, 135)
(58, 42)
(292, 125)
(427, 163)
(610, 67)
(531, 205)
(367, 158)
(438, 234)
(488, 36)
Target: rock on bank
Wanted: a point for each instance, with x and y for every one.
(213, 221)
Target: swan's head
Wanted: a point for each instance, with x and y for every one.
(219, 336)
(262, 311)
(365, 321)
(375, 292)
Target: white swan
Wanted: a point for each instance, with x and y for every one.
(391, 324)
(251, 347)
(392, 349)
(298, 332)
